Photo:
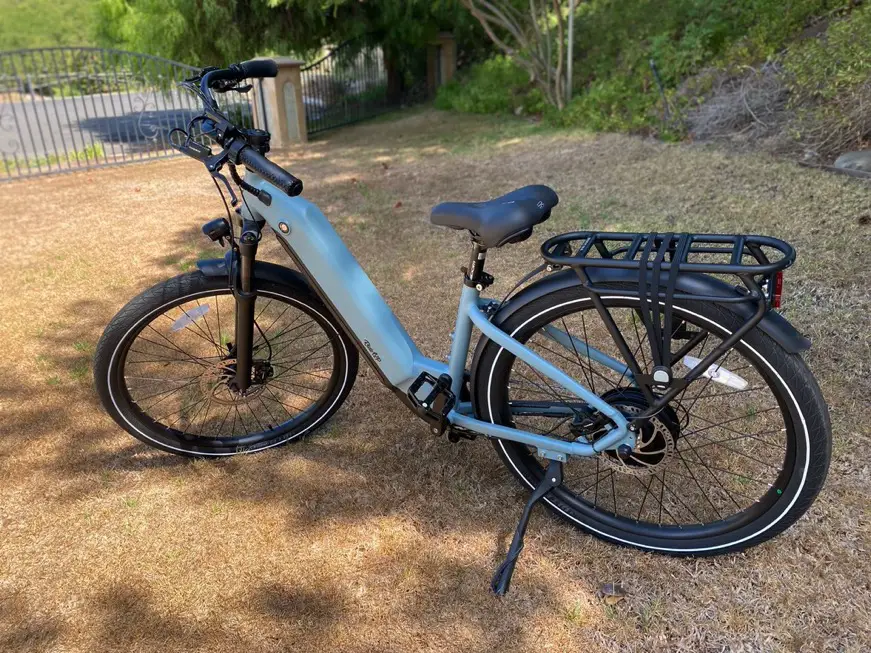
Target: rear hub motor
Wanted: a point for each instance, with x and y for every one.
(655, 441)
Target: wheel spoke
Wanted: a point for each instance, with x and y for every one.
(590, 370)
(728, 421)
(168, 394)
(290, 342)
(196, 359)
(714, 476)
(701, 489)
(717, 448)
(199, 333)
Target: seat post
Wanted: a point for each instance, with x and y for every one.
(475, 271)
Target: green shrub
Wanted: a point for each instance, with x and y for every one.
(823, 68)
(618, 37)
(617, 104)
(829, 79)
(497, 85)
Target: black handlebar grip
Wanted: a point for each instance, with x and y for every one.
(274, 174)
(259, 68)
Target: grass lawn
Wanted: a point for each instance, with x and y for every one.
(373, 536)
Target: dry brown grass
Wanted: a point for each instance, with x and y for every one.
(371, 535)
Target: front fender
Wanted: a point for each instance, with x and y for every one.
(263, 270)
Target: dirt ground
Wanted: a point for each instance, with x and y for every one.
(373, 536)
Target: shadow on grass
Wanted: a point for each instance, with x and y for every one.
(22, 630)
(372, 461)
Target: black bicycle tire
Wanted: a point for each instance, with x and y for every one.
(805, 396)
(122, 330)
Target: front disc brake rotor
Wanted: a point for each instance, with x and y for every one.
(215, 382)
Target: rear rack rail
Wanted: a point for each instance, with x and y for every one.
(623, 250)
(753, 259)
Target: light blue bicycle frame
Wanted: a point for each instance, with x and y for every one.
(322, 254)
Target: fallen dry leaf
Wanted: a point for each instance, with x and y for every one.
(611, 593)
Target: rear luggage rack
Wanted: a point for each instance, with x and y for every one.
(659, 259)
(735, 246)
(738, 255)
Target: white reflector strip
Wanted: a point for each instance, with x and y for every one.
(718, 374)
(189, 317)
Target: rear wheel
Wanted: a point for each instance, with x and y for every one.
(731, 462)
(164, 364)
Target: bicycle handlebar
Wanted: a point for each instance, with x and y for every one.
(248, 156)
(271, 172)
(239, 71)
(258, 68)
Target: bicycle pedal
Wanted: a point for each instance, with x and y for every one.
(433, 400)
(455, 434)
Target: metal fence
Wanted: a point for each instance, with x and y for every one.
(65, 109)
(347, 85)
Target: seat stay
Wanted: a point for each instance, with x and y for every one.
(582, 349)
(547, 446)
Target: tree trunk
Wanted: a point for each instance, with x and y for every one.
(395, 81)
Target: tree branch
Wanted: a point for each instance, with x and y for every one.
(528, 39)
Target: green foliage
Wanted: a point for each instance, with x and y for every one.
(823, 69)
(494, 86)
(45, 23)
(610, 105)
(196, 32)
(395, 25)
(616, 39)
(201, 32)
(829, 80)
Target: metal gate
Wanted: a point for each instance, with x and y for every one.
(64, 109)
(347, 85)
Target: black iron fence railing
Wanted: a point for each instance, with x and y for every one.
(64, 109)
(347, 85)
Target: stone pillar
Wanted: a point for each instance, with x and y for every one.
(278, 104)
(441, 61)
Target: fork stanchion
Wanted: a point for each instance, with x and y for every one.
(553, 477)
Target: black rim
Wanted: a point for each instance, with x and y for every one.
(178, 358)
(696, 489)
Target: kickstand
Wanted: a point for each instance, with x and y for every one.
(502, 578)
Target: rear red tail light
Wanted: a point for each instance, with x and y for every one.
(777, 289)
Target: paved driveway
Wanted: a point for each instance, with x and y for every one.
(118, 126)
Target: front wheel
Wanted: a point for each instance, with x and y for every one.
(732, 461)
(165, 363)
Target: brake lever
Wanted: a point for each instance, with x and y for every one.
(231, 85)
(234, 201)
(214, 164)
(196, 78)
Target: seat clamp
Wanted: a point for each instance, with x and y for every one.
(485, 280)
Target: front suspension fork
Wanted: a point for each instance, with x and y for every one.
(245, 293)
